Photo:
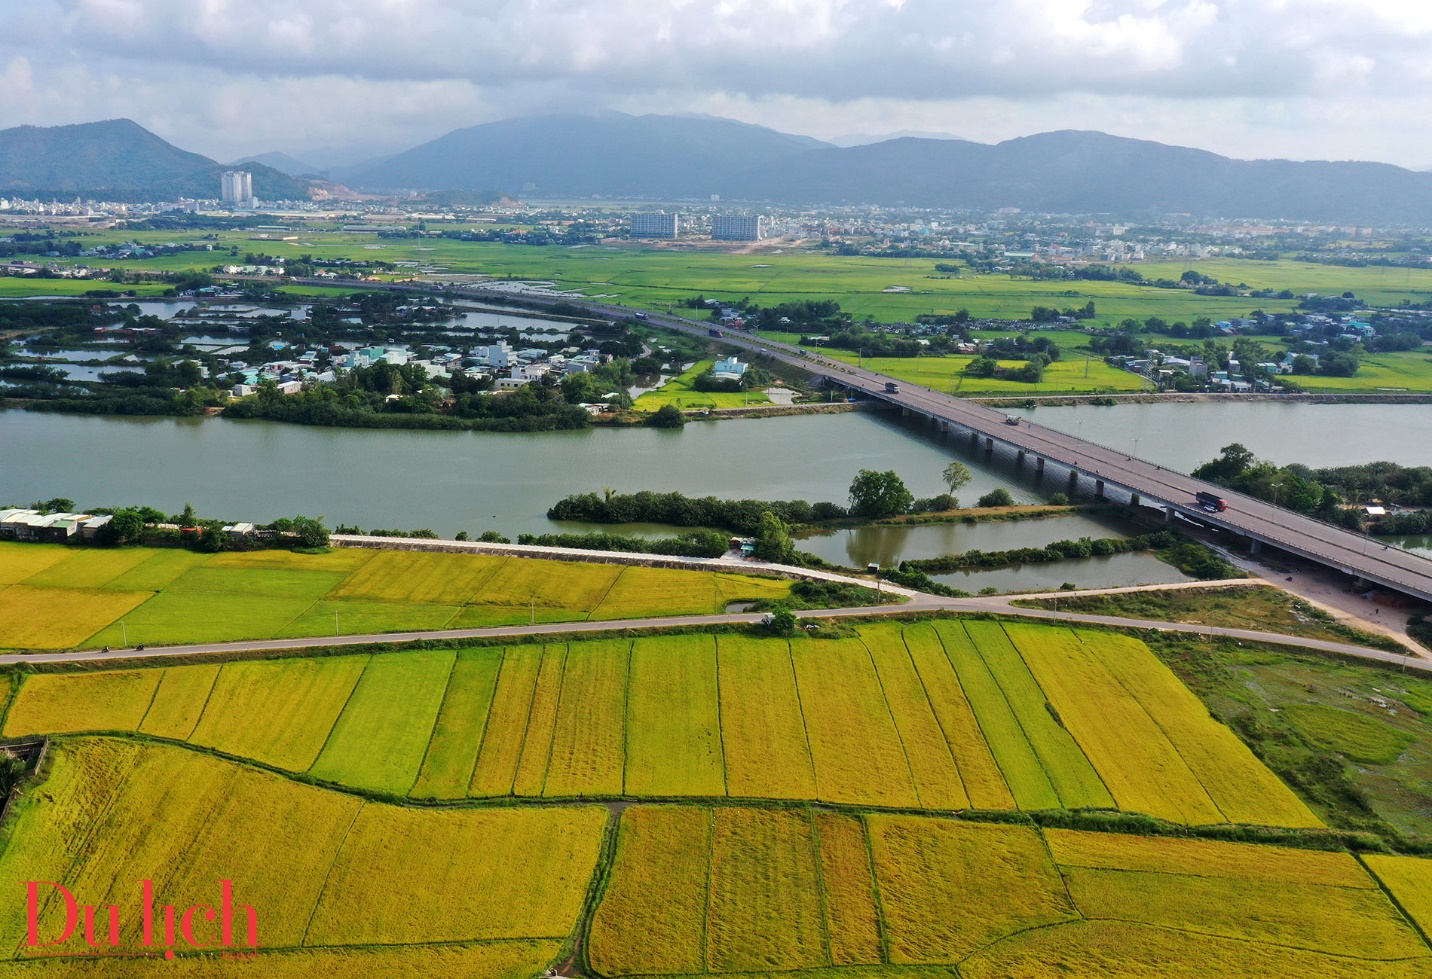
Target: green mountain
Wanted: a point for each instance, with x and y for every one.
(118, 160)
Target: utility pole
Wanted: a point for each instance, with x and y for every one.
(335, 623)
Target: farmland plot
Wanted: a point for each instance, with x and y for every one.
(1240, 785)
(979, 774)
(180, 699)
(937, 779)
(1018, 762)
(673, 719)
(853, 741)
(589, 741)
(277, 712)
(380, 739)
(853, 920)
(457, 735)
(1143, 770)
(20, 561)
(59, 703)
(652, 917)
(59, 618)
(762, 731)
(541, 720)
(1410, 881)
(506, 727)
(420, 577)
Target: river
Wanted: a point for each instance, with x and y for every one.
(256, 470)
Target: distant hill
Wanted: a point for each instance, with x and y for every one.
(1085, 172)
(281, 162)
(865, 139)
(611, 154)
(118, 160)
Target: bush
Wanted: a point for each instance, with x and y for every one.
(1059, 499)
(667, 416)
(994, 498)
(781, 621)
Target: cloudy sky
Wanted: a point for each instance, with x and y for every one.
(1334, 79)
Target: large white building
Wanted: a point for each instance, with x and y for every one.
(238, 187)
(736, 227)
(655, 224)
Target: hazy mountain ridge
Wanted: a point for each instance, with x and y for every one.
(118, 160)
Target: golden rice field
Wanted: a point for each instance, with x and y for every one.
(945, 716)
(58, 597)
(321, 869)
(799, 889)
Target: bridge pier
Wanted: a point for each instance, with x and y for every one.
(1168, 514)
(1039, 465)
(974, 439)
(1135, 499)
(1073, 482)
(1019, 457)
(1255, 546)
(989, 445)
(1099, 490)
(904, 412)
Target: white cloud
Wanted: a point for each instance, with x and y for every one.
(1309, 75)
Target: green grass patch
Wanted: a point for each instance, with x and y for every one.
(1357, 737)
(681, 391)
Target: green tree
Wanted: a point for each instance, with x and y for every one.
(59, 505)
(879, 494)
(955, 475)
(773, 539)
(998, 497)
(667, 416)
(187, 518)
(311, 533)
(782, 621)
(124, 527)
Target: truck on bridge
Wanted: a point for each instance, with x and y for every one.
(1212, 502)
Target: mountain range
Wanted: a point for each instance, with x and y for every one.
(118, 160)
(674, 158)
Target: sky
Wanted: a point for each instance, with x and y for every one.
(333, 80)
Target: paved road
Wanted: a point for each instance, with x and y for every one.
(975, 605)
(1334, 547)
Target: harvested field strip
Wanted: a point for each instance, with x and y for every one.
(765, 905)
(496, 767)
(62, 703)
(20, 561)
(673, 719)
(382, 735)
(1240, 785)
(746, 588)
(58, 618)
(1410, 881)
(948, 888)
(853, 921)
(1205, 858)
(652, 591)
(484, 873)
(457, 735)
(1099, 949)
(979, 773)
(576, 587)
(589, 740)
(1073, 778)
(278, 712)
(763, 734)
(541, 721)
(160, 569)
(853, 741)
(1142, 769)
(652, 917)
(179, 701)
(1026, 777)
(937, 778)
(337, 559)
(1357, 922)
(420, 577)
(90, 568)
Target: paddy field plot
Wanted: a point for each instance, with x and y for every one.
(942, 716)
(58, 597)
(929, 891)
(320, 868)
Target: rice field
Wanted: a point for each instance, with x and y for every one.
(319, 868)
(60, 597)
(943, 716)
(928, 892)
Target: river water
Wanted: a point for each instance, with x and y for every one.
(254, 470)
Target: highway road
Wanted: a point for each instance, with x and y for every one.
(1263, 523)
